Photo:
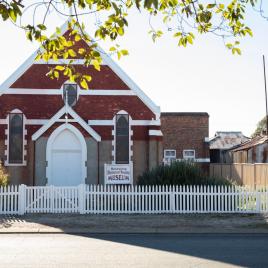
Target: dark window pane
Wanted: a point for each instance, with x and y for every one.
(70, 90)
(122, 139)
(15, 138)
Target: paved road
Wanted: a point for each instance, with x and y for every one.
(133, 250)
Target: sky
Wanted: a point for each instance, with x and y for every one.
(204, 77)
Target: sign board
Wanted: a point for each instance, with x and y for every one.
(118, 173)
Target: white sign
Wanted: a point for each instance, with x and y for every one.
(118, 173)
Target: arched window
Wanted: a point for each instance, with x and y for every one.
(122, 139)
(70, 94)
(15, 146)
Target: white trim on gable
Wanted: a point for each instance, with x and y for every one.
(94, 92)
(18, 73)
(106, 59)
(56, 118)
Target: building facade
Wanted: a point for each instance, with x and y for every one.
(54, 132)
(185, 136)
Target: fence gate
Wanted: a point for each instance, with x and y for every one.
(95, 199)
(51, 199)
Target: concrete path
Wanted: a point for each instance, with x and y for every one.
(165, 223)
(136, 250)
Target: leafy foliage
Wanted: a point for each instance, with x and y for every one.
(4, 178)
(261, 127)
(185, 18)
(179, 173)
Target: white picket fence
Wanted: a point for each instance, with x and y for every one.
(98, 199)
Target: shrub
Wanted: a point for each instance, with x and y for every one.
(179, 173)
(3, 175)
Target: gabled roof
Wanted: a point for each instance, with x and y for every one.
(57, 118)
(106, 60)
(225, 140)
(252, 143)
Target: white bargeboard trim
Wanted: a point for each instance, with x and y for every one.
(76, 117)
(84, 92)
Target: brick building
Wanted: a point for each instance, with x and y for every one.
(185, 136)
(54, 132)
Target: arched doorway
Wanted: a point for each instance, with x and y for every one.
(66, 157)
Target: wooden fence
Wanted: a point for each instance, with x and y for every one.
(251, 175)
(131, 199)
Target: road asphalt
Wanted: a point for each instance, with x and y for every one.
(145, 223)
(133, 250)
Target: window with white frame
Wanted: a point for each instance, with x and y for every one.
(169, 155)
(189, 154)
(15, 138)
(122, 139)
(70, 94)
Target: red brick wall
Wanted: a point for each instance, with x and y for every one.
(35, 77)
(182, 131)
(89, 107)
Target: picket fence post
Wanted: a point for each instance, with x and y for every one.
(22, 199)
(81, 198)
(258, 201)
(171, 199)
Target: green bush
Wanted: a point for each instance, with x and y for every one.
(4, 178)
(179, 173)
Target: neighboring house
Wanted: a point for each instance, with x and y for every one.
(221, 144)
(185, 136)
(252, 151)
(44, 140)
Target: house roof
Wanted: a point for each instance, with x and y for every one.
(184, 114)
(107, 60)
(251, 143)
(225, 140)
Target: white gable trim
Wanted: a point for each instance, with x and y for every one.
(56, 118)
(130, 83)
(18, 73)
(106, 59)
(94, 92)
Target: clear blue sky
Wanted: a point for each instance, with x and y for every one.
(200, 78)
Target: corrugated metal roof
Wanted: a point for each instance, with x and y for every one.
(252, 143)
(227, 139)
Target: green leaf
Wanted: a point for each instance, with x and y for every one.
(42, 27)
(77, 38)
(96, 64)
(84, 84)
(71, 53)
(60, 68)
(12, 15)
(124, 52)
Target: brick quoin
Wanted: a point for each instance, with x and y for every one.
(184, 131)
